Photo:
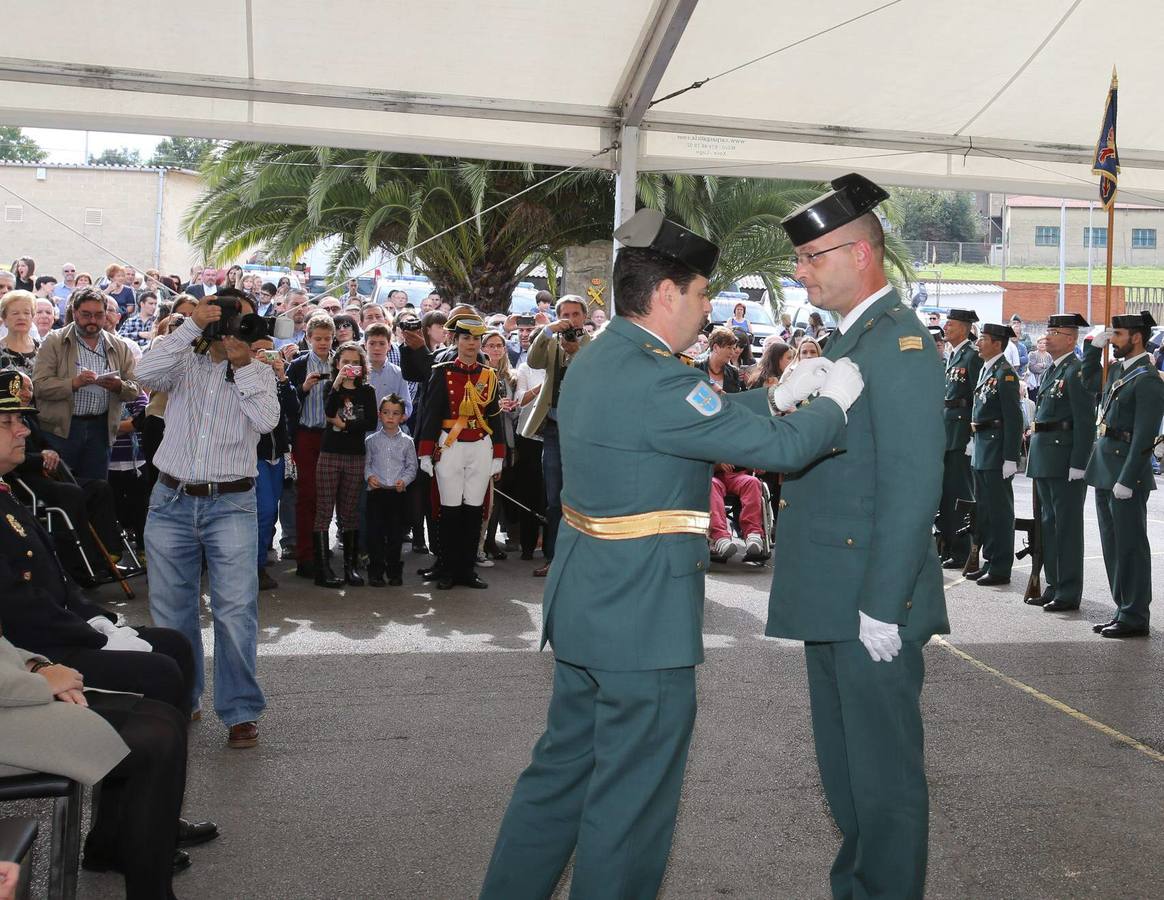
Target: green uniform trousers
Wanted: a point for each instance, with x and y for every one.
(605, 778)
(1061, 518)
(994, 518)
(957, 484)
(866, 719)
(1127, 555)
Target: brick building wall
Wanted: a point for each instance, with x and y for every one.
(1035, 302)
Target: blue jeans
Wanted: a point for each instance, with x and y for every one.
(86, 449)
(287, 515)
(179, 529)
(552, 474)
(268, 490)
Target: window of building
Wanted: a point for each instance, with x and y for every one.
(1095, 237)
(1144, 238)
(1046, 235)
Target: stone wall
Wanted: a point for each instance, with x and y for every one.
(587, 273)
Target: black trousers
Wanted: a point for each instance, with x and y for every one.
(388, 512)
(131, 496)
(166, 674)
(529, 489)
(90, 504)
(135, 816)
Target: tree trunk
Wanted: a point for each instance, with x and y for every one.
(490, 290)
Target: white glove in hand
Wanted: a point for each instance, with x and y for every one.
(1009, 467)
(496, 466)
(843, 384)
(102, 624)
(880, 638)
(1075, 474)
(799, 383)
(121, 639)
(1121, 493)
(426, 465)
(970, 447)
(1100, 335)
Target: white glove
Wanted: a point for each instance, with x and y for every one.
(880, 638)
(122, 639)
(1121, 493)
(1075, 474)
(426, 465)
(1099, 336)
(496, 466)
(843, 384)
(970, 447)
(1009, 467)
(102, 624)
(799, 383)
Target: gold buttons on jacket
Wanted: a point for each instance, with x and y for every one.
(848, 542)
(699, 565)
(28, 553)
(783, 504)
(909, 604)
(28, 576)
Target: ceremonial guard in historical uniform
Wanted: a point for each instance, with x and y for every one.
(1120, 469)
(462, 442)
(963, 366)
(623, 603)
(997, 426)
(1062, 434)
(858, 577)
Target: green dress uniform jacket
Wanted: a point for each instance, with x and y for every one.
(855, 534)
(998, 437)
(962, 371)
(625, 616)
(1063, 432)
(1129, 420)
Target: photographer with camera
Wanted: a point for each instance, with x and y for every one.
(553, 348)
(220, 402)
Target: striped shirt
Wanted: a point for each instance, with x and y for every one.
(390, 457)
(312, 414)
(91, 400)
(213, 423)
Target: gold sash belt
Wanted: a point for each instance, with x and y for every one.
(639, 525)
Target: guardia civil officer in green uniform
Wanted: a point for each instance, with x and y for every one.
(858, 577)
(1120, 469)
(623, 604)
(997, 424)
(1062, 434)
(963, 365)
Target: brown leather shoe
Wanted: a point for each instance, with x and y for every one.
(243, 735)
(542, 571)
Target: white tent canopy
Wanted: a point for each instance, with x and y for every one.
(992, 95)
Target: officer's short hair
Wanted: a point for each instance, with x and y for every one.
(638, 271)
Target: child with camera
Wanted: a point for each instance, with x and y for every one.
(350, 410)
(390, 466)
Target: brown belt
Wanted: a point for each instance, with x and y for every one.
(461, 429)
(639, 525)
(1063, 425)
(988, 425)
(207, 488)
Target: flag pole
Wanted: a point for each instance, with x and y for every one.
(1107, 281)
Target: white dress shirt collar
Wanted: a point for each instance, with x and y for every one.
(857, 311)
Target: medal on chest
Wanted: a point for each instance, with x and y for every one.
(14, 523)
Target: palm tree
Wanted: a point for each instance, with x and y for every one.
(285, 198)
(742, 216)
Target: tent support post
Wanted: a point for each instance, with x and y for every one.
(625, 183)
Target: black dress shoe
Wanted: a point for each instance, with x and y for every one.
(990, 580)
(1059, 606)
(474, 581)
(1098, 627)
(419, 548)
(375, 580)
(395, 581)
(1124, 630)
(527, 554)
(191, 834)
(950, 563)
(975, 575)
(92, 863)
(445, 583)
(305, 570)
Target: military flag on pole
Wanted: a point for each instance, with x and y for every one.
(1107, 160)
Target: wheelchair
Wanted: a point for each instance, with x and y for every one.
(733, 508)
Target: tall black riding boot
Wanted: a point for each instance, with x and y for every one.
(449, 535)
(352, 559)
(324, 576)
(471, 517)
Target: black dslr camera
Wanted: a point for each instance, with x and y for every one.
(411, 323)
(572, 334)
(248, 327)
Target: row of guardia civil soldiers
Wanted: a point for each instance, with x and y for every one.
(1070, 448)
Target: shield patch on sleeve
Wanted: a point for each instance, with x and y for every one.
(705, 400)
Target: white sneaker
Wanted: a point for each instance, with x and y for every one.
(723, 550)
(483, 560)
(754, 550)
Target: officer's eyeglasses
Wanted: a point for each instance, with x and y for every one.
(807, 259)
(1054, 331)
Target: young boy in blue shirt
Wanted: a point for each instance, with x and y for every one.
(389, 467)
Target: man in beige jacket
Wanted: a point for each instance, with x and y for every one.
(82, 375)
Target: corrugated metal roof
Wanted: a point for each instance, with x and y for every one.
(963, 287)
(16, 164)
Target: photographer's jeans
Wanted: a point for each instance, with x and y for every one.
(268, 490)
(178, 530)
